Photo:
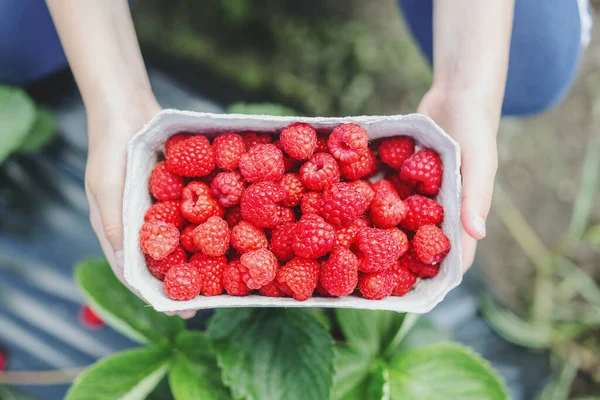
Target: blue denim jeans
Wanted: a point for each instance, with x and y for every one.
(546, 46)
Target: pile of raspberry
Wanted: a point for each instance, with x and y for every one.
(294, 214)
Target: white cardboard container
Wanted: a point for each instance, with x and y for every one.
(147, 144)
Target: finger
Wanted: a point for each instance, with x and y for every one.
(185, 314)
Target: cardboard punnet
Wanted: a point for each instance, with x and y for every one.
(146, 145)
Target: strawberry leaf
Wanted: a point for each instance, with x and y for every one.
(18, 114)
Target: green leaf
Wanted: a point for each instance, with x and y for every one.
(17, 113)
(423, 333)
(351, 371)
(131, 375)
(12, 393)
(120, 308)
(42, 132)
(261, 109)
(162, 391)
(444, 371)
(378, 387)
(268, 354)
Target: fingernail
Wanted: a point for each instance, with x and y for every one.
(120, 258)
(479, 225)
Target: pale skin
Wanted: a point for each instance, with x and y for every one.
(471, 49)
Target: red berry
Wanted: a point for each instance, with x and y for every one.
(387, 209)
(342, 204)
(233, 216)
(431, 244)
(258, 268)
(400, 238)
(339, 274)
(314, 237)
(165, 185)
(233, 282)
(395, 150)
(383, 186)
(429, 271)
(424, 167)
(263, 162)
(376, 285)
(271, 290)
(182, 282)
(251, 139)
(159, 239)
(364, 167)
(246, 237)
(322, 147)
(404, 280)
(298, 278)
(166, 211)
(320, 290)
(311, 203)
(191, 157)
(319, 172)
(293, 187)
(411, 262)
(421, 211)
(402, 187)
(212, 237)
(173, 140)
(299, 140)
(345, 236)
(87, 317)
(159, 268)
(227, 188)
(286, 215)
(281, 241)
(186, 238)
(210, 270)
(289, 163)
(228, 149)
(198, 204)
(260, 204)
(209, 178)
(364, 188)
(346, 142)
(378, 249)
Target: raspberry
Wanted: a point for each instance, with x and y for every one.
(345, 236)
(378, 249)
(342, 204)
(87, 316)
(186, 238)
(311, 203)
(429, 271)
(233, 216)
(395, 150)
(286, 215)
(198, 204)
(210, 270)
(339, 274)
(404, 280)
(424, 167)
(212, 237)
(258, 268)
(402, 187)
(160, 267)
(166, 211)
(293, 188)
(346, 142)
(260, 206)
(263, 162)
(412, 263)
(173, 140)
(298, 278)
(165, 185)
(376, 285)
(182, 282)
(289, 163)
(158, 239)
(299, 140)
(228, 149)
(233, 282)
(319, 172)
(364, 188)
(421, 211)
(271, 290)
(383, 186)
(191, 157)
(322, 147)
(431, 244)
(314, 237)
(400, 238)
(281, 241)
(227, 188)
(209, 178)
(364, 167)
(251, 139)
(246, 237)
(387, 209)
(320, 290)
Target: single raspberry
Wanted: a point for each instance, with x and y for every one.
(321, 291)
(299, 140)
(387, 209)
(364, 188)
(271, 290)
(191, 157)
(233, 282)
(186, 238)
(314, 237)
(400, 238)
(258, 268)
(286, 215)
(227, 188)
(346, 142)
(429, 271)
(212, 237)
(383, 186)
(263, 162)
(311, 203)
(378, 249)
(376, 285)
(160, 267)
(159, 239)
(395, 150)
(293, 187)
(251, 139)
(173, 140)
(345, 236)
(402, 187)
(182, 282)
(298, 278)
(246, 237)
(421, 211)
(165, 185)
(411, 262)
(424, 167)
(289, 163)
(342, 204)
(166, 211)
(198, 204)
(233, 216)
(319, 172)
(404, 280)
(339, 273)
(431, 244)
(260, 204)
(88, 318)
(228, 149)
(366, 166)
(322, 140)
(210, 270)
(281, 241)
